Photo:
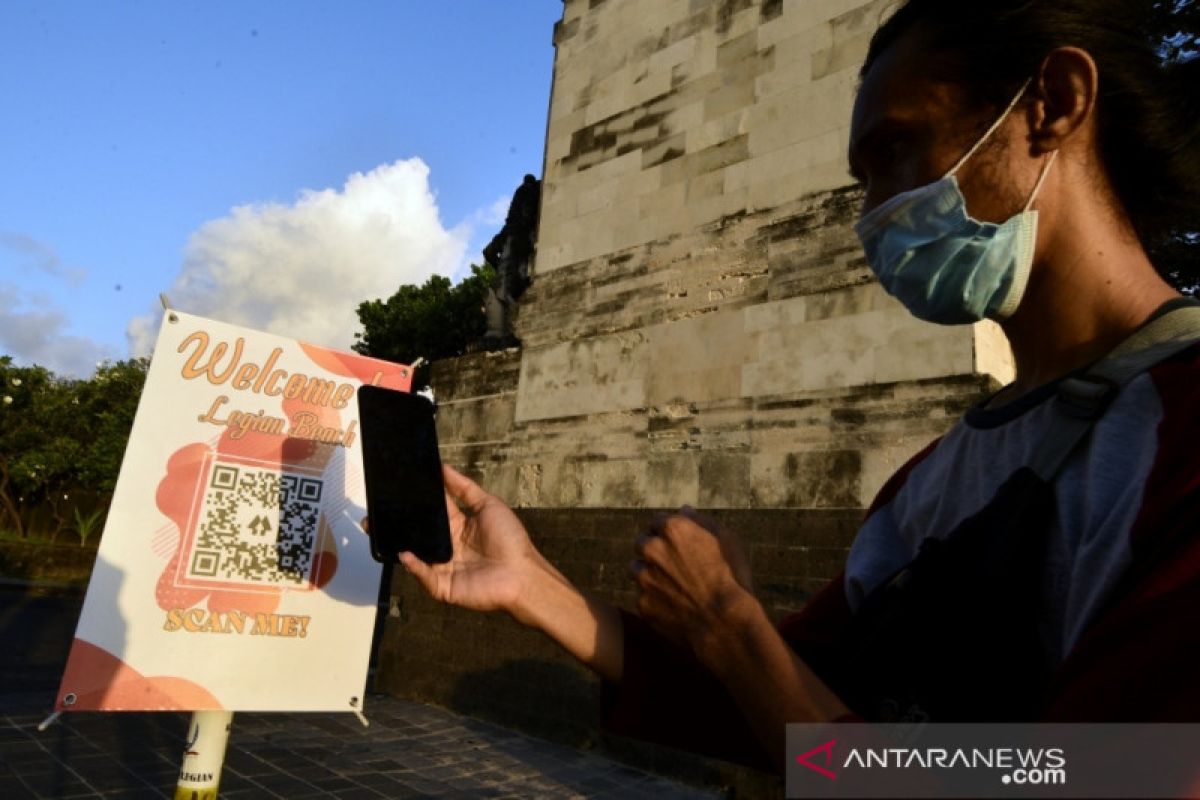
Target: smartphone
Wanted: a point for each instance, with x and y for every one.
(406, 503)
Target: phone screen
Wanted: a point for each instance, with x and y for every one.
(406, 504)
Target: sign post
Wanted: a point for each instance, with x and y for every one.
(204, 755)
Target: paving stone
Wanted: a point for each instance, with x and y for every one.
(257, 790)
(57, 784)
(12, 789)
(358, 793)
(287, 786)
(142, 793)
(409, 751)
(334, 784)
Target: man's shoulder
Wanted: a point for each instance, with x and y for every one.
(1172, 388)
(899, 478)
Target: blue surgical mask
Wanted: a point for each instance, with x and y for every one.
(944, 265)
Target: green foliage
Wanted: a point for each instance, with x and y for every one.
(434, 321)
(105, 406)
(62, 440)
(85, 525)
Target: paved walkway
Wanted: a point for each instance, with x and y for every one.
(410, 750)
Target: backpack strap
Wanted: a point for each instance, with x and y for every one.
(1083, 399)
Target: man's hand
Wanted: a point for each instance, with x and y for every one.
(496, 567)
(687, 574)
(687, 587)
(494, 559)
(731, 546)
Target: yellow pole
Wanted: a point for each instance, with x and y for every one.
(200, 774)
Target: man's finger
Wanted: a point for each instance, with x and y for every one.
(463, 489)
(639, 544)
(703, 520)
(421, 571)
(659, 523)
(453, 512)
(650, 549)
(674, 526)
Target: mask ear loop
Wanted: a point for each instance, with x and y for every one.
(991, 130)
(1037, 187)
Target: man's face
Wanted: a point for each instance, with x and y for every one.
(908, 129)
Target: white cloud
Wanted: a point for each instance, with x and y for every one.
(33, 326)
(33, 331)
(40, 257)
(495, 213)
(301, 270)
(478, 228)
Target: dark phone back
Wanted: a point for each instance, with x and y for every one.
(406, 503)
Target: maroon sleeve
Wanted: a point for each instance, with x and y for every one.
(667, 697)
(1139, 664)
(1139, 660)
(816, 632)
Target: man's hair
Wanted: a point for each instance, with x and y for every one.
(1149, 139)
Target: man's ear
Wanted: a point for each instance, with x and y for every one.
(1065, 98)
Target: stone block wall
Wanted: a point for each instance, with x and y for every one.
(700, 297)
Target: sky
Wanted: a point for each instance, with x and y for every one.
(266, 163)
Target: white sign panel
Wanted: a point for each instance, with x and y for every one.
(233, 572)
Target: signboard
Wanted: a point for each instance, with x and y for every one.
(233, 573)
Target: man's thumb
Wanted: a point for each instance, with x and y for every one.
(419, 570)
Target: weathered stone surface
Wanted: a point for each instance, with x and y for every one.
(823, 447)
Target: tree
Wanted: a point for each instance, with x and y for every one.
(34, 454)
(433, 321)
(61, 437)
(107, 404)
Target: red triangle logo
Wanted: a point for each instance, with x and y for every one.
(827, 749)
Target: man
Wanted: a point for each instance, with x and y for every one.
(1016, 158)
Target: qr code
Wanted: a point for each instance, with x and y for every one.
(256, 526)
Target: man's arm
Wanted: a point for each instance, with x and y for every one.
(495, 567)
(770, 683)
(586, 627)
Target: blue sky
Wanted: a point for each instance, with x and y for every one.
(133, 130)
